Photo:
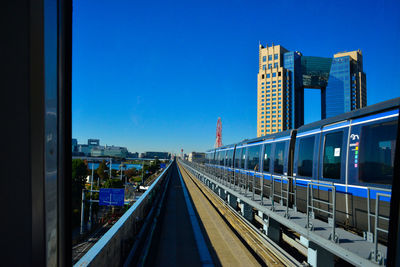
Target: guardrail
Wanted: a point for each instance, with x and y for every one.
(282, 191)
(116, 243)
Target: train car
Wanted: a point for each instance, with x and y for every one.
(352, 152)
(355, 152)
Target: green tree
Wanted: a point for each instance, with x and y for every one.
(101, 170)
(130, 172)
(113, 183)
(79, 174)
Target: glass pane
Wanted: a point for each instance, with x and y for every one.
(279, 156)
(332, 155)
(253, 158)
(238, 154)
(243, 158)
(305, 159)
(221, 158)
(377, 148)
(267, 157)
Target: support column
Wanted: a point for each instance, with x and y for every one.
(271, 227)
(317, 255)
(246, 210)
(232, 200)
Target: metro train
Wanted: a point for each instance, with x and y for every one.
(353, 151)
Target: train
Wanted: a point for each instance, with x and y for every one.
(354, 152)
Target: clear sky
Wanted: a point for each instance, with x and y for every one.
(156, 75)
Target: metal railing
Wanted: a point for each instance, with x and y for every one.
(110, 249)
(331, 205)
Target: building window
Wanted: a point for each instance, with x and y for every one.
(268, 82)
(262, 83)
(268, 86)
(270, 57)
(269, 67)
(262, 76)
(264, 58)
(264, 67)
(274, 74)
(276, 56)
(268, 75)
(273, 81)
(275, 65)
(273, 86)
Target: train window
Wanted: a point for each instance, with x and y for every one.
(332, 155)
(238, 154)
(377, 148)
(230, 158)
(221, 158)
(253, 158)
(305, 159)
(278, 157)
(217, 157)
(243, 158)
(267, 157)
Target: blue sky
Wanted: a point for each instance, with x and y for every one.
(156, 75)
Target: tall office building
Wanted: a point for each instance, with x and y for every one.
(284, 74)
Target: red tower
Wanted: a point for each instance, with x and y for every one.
(218, 139)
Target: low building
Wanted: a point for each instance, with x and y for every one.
(158, 155)
(197, 157)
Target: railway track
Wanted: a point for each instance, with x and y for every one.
(269, 252)
(79, 250)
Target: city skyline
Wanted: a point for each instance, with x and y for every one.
(158, 77)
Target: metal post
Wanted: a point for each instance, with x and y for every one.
(333, 213)
(110, 167)
(376, 226)
(254, 183)
(83, 212)
(368, 207)
(308, 214)
(90, 206)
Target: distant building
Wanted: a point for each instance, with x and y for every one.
(283, 75)
(153, 155)
(93, 142)
(134, 155)
(197, 157)
(94, 149)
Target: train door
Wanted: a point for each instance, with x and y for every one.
(332, 169)
(305, 165)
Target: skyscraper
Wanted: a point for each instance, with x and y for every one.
(284, 74)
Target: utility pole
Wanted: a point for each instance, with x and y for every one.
(83, 212)
(90, 207)
(110, 166)
(142, 170)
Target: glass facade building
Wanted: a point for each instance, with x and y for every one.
(284, 74)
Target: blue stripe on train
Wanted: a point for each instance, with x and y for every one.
(355, 191)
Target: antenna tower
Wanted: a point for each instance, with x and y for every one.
(218, 138)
